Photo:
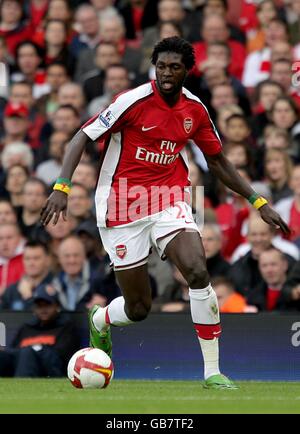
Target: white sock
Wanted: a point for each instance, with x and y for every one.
(206, 319)
(113, 314)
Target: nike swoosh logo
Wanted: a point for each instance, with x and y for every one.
(147, 129)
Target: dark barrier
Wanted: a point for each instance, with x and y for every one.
(252, 346)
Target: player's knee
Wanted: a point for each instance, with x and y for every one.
(197, 276)
(139, 311)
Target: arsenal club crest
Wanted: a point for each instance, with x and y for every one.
(121, 251)
(188, 125)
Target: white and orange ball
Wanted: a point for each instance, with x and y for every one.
(90, 368)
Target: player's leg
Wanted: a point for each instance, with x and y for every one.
(133, 306)
(128, 249)
(186, 251)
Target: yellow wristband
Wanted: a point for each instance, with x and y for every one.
(62, 187)
(259, 202)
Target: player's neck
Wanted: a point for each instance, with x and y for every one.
(171, 100)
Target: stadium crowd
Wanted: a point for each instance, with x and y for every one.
(66, 60)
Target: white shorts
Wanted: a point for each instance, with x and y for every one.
(129, 245)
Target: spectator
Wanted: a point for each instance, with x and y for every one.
(276, 138)
(239, 155)
(223, 114)
(57, 50)
(60, 10)
(85, 174)
(11, 255)
(106, 54)
(88, 27)
(36, 10)
(65, 119)
(278, 169)
(138, 16)
(36, 259)
(244, 272)
(56, 76)
(215, 29)
(273, 267)
(294, 28)
(237, 129)
(266, 11)
(7, 212)
(291, 289)
(77, 289)
(168, 10)
(49, 169)
(112, 30)
(43, 346)
(266, 93)
(79, 203)
(29, 57)
(229, 300)
(17, 154)
(258, 63)
(222, 94)
(72, 94)
(289, 207)
(21, 93)
(285, 115)
(212, 243)
(98, 258)
(104, 7)
(116, 81)
(34, 196)
(16, 177)
(166, 29)
(282, 72)
(16, 123)
(13, 25)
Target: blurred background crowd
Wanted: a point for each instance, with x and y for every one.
(66, 60)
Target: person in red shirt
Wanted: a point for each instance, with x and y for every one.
(146, 130)
(11, 255)
(273, 267)
(215, 29)
(12, 24)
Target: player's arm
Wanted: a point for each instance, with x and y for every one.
(221, 167)
(58, 200)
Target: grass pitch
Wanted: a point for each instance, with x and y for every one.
(142, 397)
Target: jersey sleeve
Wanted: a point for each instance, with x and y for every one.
(108, 121)
(206, 136)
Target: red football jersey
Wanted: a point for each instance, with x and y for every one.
(144, 152)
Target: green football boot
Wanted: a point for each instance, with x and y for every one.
(218, 382)
(102, 339)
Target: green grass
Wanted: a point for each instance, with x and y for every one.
(141, 397)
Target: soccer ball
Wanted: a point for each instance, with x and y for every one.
(90, 368)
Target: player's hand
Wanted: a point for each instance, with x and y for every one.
(273, 219)
(56, 204)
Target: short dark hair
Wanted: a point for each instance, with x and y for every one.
(33, 244)
(175, 45)
(68, 107)
(237, 116)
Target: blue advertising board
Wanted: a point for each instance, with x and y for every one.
(252, 346)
